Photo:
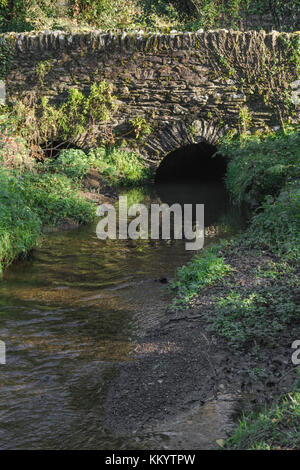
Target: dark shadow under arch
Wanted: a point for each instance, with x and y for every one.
(192, 162)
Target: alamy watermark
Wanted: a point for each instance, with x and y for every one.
(2, 92)
(2, 353)
(139, 221)
(296, 354)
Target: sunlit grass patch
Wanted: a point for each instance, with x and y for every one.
(274, 428)
(254, 318)
(203, 270)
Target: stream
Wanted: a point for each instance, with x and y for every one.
(72, 310)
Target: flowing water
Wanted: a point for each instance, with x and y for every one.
(66, 316)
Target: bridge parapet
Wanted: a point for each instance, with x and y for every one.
(182, 84)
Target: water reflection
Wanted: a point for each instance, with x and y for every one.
(65, 315)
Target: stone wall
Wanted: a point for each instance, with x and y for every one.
(188, 86)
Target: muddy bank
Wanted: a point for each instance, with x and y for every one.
(178, 367)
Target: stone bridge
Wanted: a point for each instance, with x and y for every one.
(190, 87)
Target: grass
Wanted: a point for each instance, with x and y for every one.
(54, 198)
(204, 270)
(29, 200)
(274, 428)
(20, 226)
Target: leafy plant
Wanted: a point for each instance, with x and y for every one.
(259, 166)
(46, 123)
(245, 119)
(253, 318)
(42, 68)
(74, 163)
(140, 127)
(204, 270)
(120, 167)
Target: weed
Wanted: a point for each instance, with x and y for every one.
(204, 270)
(274, 428)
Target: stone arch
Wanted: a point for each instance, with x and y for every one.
(175, 135)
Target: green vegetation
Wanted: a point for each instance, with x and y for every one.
(120, 167)
(261, 166)
(74, 163)
(263, 171)
(202, 271)
(276, 226)
(140, 127)
(116, 166)
(20, 226)
(274, 428)
(29, 200)
(55, 198)
(25, 15)
(45, 123)
(253, 313)
(256, 316)
(36, 194)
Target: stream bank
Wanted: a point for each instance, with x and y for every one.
(179, 367)
(235, 316)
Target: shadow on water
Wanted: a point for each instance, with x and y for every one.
(66, 317)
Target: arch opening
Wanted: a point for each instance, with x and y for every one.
(192, 162)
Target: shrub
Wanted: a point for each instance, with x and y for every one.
(120, 167)
(74, 163)
(261, 165)
(277, 225)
